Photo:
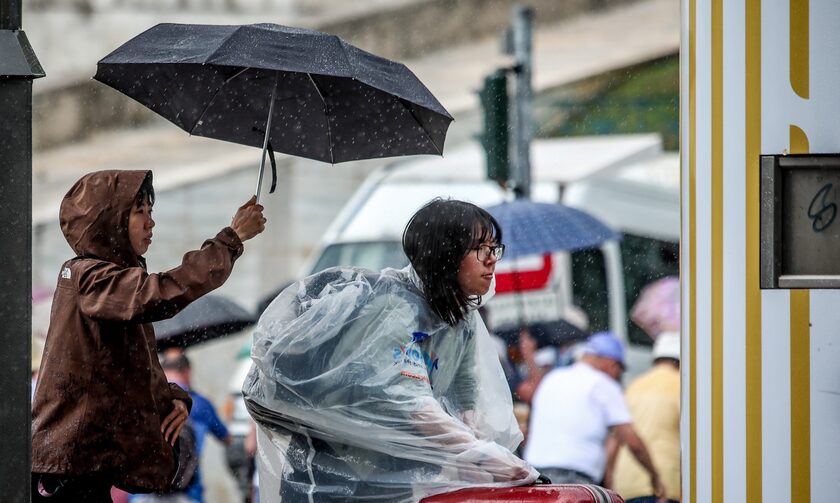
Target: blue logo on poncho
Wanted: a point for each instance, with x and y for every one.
(419, 336)
(411, 356)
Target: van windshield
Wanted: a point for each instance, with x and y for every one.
(373, 255)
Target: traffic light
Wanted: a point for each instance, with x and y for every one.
(494, 101)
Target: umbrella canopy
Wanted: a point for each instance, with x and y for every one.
(657, 309)
(208, 317)
(546, 333)
(538, 228)
(291, 90)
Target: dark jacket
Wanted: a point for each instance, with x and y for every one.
(101, 393)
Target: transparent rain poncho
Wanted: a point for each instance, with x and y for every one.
(362, 393)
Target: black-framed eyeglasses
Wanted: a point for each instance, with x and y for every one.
(484, 252)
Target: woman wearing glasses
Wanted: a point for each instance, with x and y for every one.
(384, 386)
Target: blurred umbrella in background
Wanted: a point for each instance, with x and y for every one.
(209, 317)
(546, 333)
(41, 293)
(658, 307)
(41, 306)
(532, 228)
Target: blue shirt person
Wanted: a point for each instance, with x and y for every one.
(203, 416)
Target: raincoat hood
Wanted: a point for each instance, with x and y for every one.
(94, 215)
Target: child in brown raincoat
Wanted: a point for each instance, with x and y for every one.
(103, 413)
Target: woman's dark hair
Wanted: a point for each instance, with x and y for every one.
(146, 189)
(435, 240)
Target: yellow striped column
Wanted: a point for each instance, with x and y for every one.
(761, 385)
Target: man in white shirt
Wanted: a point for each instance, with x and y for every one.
(575, 409)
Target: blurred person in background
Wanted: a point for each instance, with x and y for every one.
(574, 411)
(251, 449)
(654, 402)
(512, 375)
(203, 416)
(545, 345)
(537, 362)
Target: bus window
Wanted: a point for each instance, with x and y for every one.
(644, 259)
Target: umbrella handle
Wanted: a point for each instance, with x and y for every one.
(267, 132)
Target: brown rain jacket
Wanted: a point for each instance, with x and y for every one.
(101, 393)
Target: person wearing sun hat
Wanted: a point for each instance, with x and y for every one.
(654, 402)
(576, 409)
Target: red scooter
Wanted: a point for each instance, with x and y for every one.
(540, 493)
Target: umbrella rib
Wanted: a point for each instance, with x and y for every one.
(329, 130)
(209, 103)
(428, 136)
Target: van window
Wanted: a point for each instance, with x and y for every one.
(589, 288)
(373, 255)
(644, 259)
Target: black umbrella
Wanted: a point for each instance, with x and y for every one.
(546, 333)
(291, 90)
(208, 317)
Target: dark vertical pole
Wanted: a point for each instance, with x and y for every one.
(523, 128)
(10, 15)
(18, 66)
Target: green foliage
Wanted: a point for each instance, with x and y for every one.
(642, 98)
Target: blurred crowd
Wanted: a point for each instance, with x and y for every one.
(581, 424)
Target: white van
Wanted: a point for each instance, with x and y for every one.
(624, 180)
